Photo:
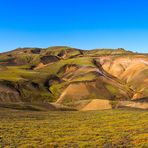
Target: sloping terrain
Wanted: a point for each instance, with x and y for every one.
(97, 104)
(72, 77)
(133, 70)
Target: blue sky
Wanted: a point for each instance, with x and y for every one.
(85, 24)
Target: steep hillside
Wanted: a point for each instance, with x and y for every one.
(72, 77)
(133, 70)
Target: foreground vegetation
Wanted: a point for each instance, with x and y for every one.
(106, 129)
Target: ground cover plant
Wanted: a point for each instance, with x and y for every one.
(107, 129)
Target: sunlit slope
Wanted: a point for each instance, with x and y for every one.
(131, 69)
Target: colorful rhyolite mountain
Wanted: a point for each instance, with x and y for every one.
(67, 78)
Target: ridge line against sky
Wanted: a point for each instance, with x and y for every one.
(84, 24)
